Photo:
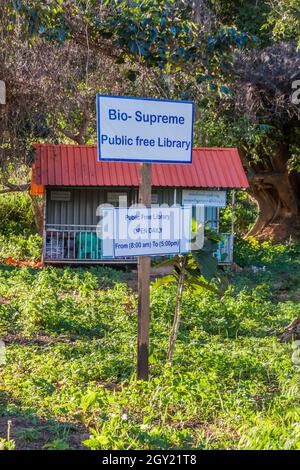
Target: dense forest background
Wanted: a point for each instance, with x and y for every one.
(238, 60)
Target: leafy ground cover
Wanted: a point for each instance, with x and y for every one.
(68, 380)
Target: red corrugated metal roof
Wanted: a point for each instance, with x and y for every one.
(76, 165)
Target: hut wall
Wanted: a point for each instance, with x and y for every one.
(81, 208)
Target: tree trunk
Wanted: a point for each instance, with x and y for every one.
(176, 320)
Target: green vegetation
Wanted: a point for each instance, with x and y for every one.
(18, 239)
(69, 379)
(16, 214)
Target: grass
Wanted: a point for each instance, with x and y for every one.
(69, 378)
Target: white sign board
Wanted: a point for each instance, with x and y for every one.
(127, 232)
(60, 196)
(144, 129)
(204, 198)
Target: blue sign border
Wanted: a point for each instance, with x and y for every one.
(107, 159)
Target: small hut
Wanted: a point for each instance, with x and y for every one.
(74, 184)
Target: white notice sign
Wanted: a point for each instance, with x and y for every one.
(144, 129)
(145, 232)
(205, 198)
